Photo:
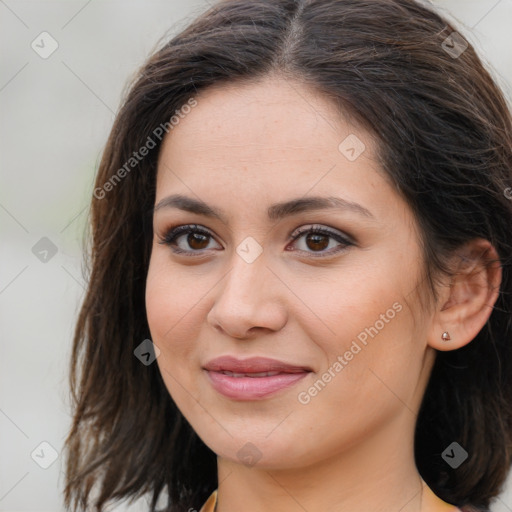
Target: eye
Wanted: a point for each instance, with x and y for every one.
(317, 239)
(191, 240)
(188, 239)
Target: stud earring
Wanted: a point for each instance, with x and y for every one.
(445, 336)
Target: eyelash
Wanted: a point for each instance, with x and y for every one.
(173, 234)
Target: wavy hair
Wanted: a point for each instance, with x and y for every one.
(444, 135)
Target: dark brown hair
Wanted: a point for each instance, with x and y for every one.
(444, 139)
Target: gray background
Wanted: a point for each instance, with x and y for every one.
(55, 117)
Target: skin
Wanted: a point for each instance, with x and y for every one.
(350, 448)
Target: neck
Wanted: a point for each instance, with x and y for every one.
(378, 475)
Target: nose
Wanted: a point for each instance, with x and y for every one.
(249, 300)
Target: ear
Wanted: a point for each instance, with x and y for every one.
(466, 301)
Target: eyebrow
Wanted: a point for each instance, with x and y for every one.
(275, 212)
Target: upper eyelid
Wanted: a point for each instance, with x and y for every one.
(296, 232)
(318, 227)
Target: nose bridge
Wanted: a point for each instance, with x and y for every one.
(246, 278)
(247, 298)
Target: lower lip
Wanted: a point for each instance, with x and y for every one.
(252, 388)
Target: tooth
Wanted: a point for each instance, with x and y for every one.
(260, 374)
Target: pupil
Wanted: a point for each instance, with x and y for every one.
(317, 240)
(194, 240)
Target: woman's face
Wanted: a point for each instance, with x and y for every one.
(340, 305)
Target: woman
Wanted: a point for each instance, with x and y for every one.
(300, 289)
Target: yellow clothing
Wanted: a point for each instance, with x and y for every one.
(210, 503)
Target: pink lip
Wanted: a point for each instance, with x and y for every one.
(252, 365)
(252, 388)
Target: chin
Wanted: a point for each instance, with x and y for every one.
(261, 451)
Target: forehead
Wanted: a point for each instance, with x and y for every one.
(269, 114)
(261, 143)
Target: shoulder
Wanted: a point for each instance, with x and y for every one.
(209, 505)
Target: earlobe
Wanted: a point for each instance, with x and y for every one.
(467, 303)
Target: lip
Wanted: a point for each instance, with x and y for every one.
(255, 387)
(252, 365)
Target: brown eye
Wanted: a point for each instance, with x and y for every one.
(197, 241)
(317, 242)
(188, 239)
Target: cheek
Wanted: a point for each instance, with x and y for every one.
(169, 311)
(373, 339)
(172, 299)
(354, 299)
(170, 316)
(159, 301)
(364, 383)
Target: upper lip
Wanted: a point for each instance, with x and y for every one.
(252, 365)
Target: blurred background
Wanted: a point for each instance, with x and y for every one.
(63, 68)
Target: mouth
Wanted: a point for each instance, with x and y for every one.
(252, 366)
(252, 379)
(252, 375)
